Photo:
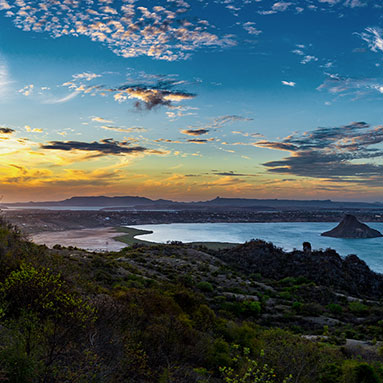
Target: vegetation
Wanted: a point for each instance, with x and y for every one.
(174, 313)
(130, 234)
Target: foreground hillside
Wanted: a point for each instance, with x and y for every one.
(176, 313)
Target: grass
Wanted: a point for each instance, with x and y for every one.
(130, 234)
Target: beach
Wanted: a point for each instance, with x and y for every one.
(98, 239)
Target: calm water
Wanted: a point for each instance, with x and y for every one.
(286, 235)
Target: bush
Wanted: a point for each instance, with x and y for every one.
(206, 287)
(244, 369)
(358, 308)
(334, 308)
(357, 372)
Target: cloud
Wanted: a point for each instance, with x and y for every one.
(233, 174)
(374, 38)
(27, 90)
(354, 4)
(246, 134)
(195, 132)
(288, 83)
(106, 146)
(4, 78)
(124, 130)
(221, 121)
(308, 58)
(331, 2)
(101, 120)
(4, 5)
(149, 91)
(150, 97)
(340, 154)
(62, 100)
(200, 141)
(86, 76)
(280, 6)
(251, 29)
(357, 87)
(33, 130)
(128, 29)
(6, 130)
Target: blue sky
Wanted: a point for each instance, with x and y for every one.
(189, 99)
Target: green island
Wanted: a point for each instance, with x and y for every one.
(130, 234)
(177, 312)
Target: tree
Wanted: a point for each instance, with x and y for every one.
(247, 370)
(40, 306)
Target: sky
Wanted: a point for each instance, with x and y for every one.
(189, 100)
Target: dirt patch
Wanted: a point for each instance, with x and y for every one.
(100, 239)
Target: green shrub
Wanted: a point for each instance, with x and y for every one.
(359, 372)
(206, 287)
(334, 308)
(358, 308)
(297, 306)
(244, 369)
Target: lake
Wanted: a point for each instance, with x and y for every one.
(288, 235)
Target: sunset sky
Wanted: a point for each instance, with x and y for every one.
(188, 100)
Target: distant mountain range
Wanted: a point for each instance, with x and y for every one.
(142, 203)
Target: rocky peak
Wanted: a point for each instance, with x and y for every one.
(350, 227)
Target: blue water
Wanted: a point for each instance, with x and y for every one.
(288, 235)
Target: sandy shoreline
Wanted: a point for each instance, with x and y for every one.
(100, 239)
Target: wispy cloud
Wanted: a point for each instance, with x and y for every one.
(4, 78)
(101, 120)
(374, 38)
(123, 130)
(355, 87)
(61, 100)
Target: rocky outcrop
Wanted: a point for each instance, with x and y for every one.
(350, 227)
(350, 275)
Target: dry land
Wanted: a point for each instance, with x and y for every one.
(100, 239)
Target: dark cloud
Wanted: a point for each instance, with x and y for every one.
(233, 174)
(162, 93)
(195, 132)
(200, 141)
(340, 154)
(105, 147)
(6, 131)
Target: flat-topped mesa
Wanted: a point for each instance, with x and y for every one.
(350, 227)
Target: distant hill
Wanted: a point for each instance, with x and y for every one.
(137, 202)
